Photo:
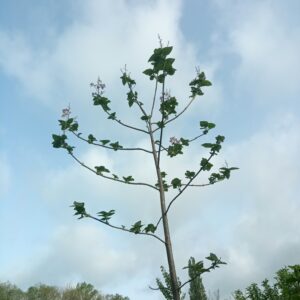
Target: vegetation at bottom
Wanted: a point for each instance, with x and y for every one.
(286, 286)
(82, 291)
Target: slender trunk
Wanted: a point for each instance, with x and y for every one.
(168, 243)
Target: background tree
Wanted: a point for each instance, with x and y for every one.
(43, 292)
(196, 290)
(9, 291)
(154, 124)
(286, 287)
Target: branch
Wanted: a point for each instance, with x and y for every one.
(196, 276)
(124, 229)
(111, 178)
(128, 126)
(154, 97)
(107, 147)
(162, 120)
(178, 115)
(181, 191)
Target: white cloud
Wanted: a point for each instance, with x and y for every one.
(266, 43)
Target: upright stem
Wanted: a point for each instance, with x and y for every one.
(168, 243)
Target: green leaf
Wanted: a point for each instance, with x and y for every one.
(184, 142)
(145, 118)
(102, 101)
(91, 139)
(131, 97)
(208, 145)
(206, 126)
(59, 141)
(163, 174)
(128, 179)
(189, 174)
(104, 142)
(79, 209)
(115, 176)
(105, 216)
(136, 227)
(175, 149)
(176, 183)
(205, 165)
(150, 228)
(116, 146)
(112, 116)
(101, 169)
(168, 106)
(148, 72)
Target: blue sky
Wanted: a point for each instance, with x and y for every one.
(51, 51)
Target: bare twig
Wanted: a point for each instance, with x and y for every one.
(154, 97)
(124, 229)
(181, 191)
(111, 178)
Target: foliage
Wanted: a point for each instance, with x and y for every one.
(285, 287)
(167, 108)
(197, 290)
(82, 291)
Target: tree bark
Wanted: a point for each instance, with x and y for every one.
(168, 243)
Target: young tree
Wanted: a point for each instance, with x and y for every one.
(197, 290)
(154, 127)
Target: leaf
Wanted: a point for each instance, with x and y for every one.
(79, 209)
(148, 72)
(136, 227)
(163, 174)
(115, 176)
(106, 215)
(112, 116)
(205, 165)
(116, 146)
(128, 179)
(176, 183)
(184, 142)
(145, 118)
(91, 139)
(102, 101)
(189, 174)
(101, 169)
(59, 140)
(104, 142)
(150, 228)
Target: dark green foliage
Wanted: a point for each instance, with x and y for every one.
(165, 288)
(68, 124)
(106, 215)
(136, 227)
(128, 179)
(150, 228)
(176, 183)
(102, 101)
(91, 139)
(116, 146)
(189, 174)
(79, 209)
(206, 126)
(162, 66)
(196, 290)
(168, 107)
(286, 287)
(197, 83)
(101, 169)
(82, 291)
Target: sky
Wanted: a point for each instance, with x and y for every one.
(50, 52)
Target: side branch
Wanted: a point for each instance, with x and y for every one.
(177, 116)
(128, 126)
(185, 187)
(107, 147)
(124, 229)
(108, 177)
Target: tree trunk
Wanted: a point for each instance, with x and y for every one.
(168, 243)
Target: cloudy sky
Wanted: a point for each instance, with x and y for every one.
(49, 53)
